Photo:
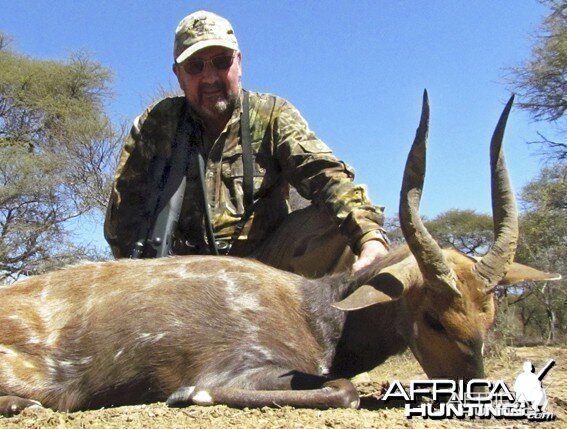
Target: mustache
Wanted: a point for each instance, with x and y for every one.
(216, 86)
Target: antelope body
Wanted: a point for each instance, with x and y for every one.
(207, 330)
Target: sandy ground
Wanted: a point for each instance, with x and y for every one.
(373, 413)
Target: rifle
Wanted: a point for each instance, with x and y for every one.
(543, 372)
(169, 180)
(156, 240)
(160, 242)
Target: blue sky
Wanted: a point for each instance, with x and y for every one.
(355, 69)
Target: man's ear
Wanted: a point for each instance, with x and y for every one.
(175, 70)
(239, 59)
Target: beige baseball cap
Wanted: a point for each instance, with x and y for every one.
(200, 30)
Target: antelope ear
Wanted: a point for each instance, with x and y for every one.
(522, 273)
(363, 297)
(387, 286)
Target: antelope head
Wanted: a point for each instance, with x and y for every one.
(453, 308)
(446, 297)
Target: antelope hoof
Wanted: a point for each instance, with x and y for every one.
(182, 397)
(347, 395)
(13, 405)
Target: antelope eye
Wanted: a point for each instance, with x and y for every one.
(433, 323)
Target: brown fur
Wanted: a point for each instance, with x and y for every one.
(130, 331)
(71, 334)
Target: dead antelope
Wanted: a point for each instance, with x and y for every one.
(244, 334)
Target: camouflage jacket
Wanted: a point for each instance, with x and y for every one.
(286, 152)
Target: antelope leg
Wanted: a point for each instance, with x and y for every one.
(12, 405)
(338, 393)
(270, 388)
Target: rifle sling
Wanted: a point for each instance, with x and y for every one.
(207, 213)
(247, 160)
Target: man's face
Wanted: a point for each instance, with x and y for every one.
(213, 92)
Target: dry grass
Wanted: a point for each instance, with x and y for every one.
(373, 414)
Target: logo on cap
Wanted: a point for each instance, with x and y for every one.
(200, 30)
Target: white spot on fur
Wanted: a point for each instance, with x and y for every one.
(28, 364)
(415, 329)
(237, 299)
(178, 323)
(117, 355)
(86, 360)
(149, 337)
(8, 352)
(247, 301)
(202, 397)
(414, 349)
(51, 339)
(258, 351)
(34, 340)
(482, 349)
(44, 294)
(50, 365)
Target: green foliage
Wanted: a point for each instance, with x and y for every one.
(57, 151)
(541, 82)
(466, 230)
(542, 85)
(543, 244)
(543, 226)
(543, 78)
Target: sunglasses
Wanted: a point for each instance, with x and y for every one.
(196, 66)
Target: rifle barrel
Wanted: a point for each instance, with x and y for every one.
(543, 372)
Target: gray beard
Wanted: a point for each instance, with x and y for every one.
(220, 109)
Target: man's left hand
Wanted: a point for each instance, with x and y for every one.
(372, 251)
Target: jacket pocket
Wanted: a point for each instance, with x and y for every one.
(232, 171)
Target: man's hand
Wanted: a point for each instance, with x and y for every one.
(372, 251)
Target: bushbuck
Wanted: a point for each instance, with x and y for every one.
(220, 330)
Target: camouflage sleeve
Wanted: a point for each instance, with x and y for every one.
(310, 166)
(126, 207)
(129, 212)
